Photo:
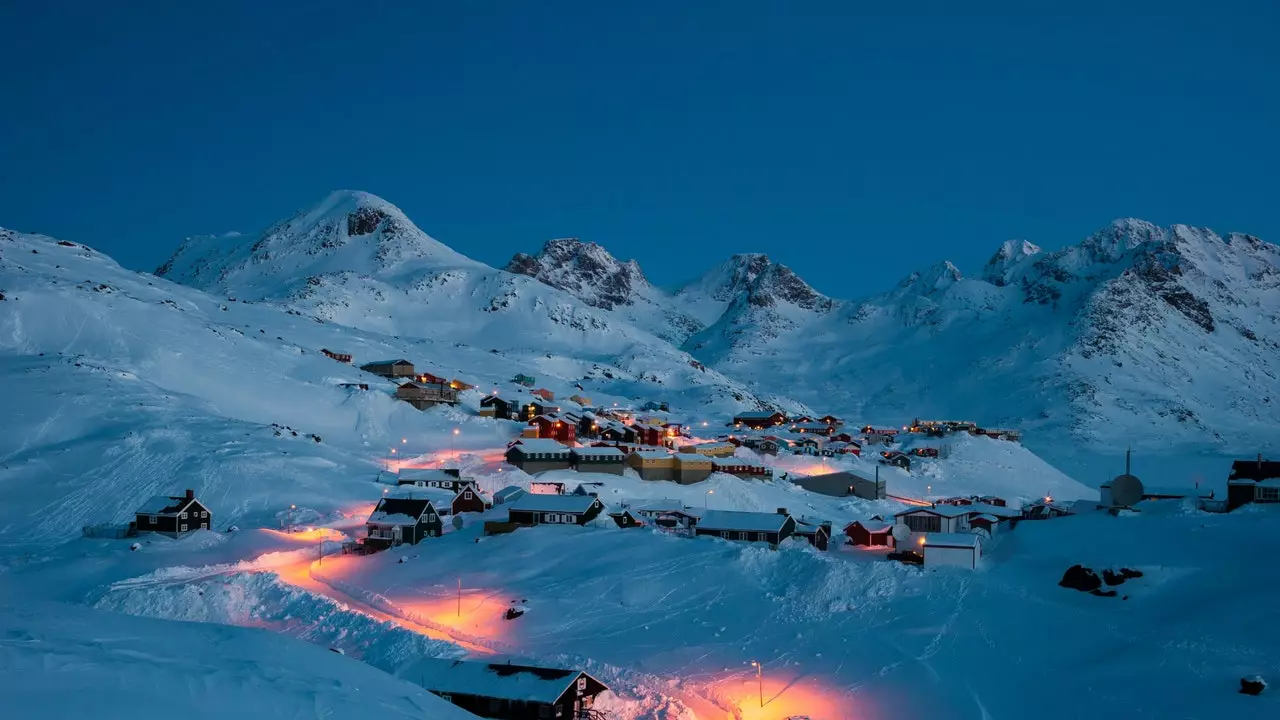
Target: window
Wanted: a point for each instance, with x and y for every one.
(467, 496)
(204, 513)
(546, 517)
(151, 519)
(183, 516)
(582, 684)
(183, 527)
(760, 537)
(1268, 494)
(742, 536)
(724, 534)
(924, 523)
(431, 517)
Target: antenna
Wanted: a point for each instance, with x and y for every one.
(1127, 460)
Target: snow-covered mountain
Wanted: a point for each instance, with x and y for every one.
(1150, 336)
(357, 260)
(589, 273)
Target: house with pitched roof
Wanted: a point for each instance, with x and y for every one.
(506, 691)
(1253, 481)
(399, 368)
(597, 460)
(772, 528)
(469, 499)
(174, 516)
(397, 520)
(535, 455)
(876, 532)
(759, 420)
(534, 509)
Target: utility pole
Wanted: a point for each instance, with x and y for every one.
(459, 597)
(320, 549)
(759, 680)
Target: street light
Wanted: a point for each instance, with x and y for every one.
(759, 680)
(704, 498)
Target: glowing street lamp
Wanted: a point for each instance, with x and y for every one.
(704, 498)
(759, 680)
(453, 444)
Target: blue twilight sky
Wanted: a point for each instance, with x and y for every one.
(853, 141)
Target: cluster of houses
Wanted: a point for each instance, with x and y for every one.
(420, 389)
(692, 463)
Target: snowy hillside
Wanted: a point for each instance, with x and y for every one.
(1159, 338)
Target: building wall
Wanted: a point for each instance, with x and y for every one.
(462, 504)
(613, 468)
(657, 472)
(534, 467)
(691, 475)
(952, 557)
(835, 487)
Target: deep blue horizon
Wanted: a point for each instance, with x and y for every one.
(854, 145)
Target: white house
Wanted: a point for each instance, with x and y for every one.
(936, 519)
(954, 549)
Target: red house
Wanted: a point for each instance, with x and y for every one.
(553, 428)
(649, 434)
(429, 379)
(340, 357)
(870, 533)
(544, 394)
(469, 499)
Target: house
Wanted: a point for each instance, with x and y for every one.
(354, 386)
(1253, 481)
(617, 432)
(654, 509)
(469, 499)
(340, 357)
(629, 518)
(843, 484)
(423, 396)
(652, 406)
(710, 449)
(534, 455)
(935, 519)
(1044, 510)
(896, 459)
(999, 434)
(870, 430)
(831, 420)
(953, 549)
(390, 368)
(174, 516)
(597, 459)
(544, 393)
(799, 419)
(817, 532)
(507, 494)
(496, 406)
(925, 452)
(535, 509)
(505, 691)
(397, 520)
(530, 432)
(810, 444)
(581, 400)
(546, 487)
(653, 464)
(759, 420)
(552, 427)
(814, 428)
(522, 379)
(427, 378)
(532, 409)
(589, 488)
(692, 468)
(875, 532)
(768, 447)
(772, 528)
(649, 434)
(461, 385)
(445, 479)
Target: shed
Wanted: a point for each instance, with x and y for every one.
(955, 549)
(507, 494)
(817, 532)
(469, 499)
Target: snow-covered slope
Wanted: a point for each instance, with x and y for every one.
(1154, 337)
(589, 273)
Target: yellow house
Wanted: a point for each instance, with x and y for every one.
(692, 468)
(711, 449)
(583, 401)
(653, 464)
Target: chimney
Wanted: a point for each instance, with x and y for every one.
(191, 494)
(782, 511)
(1126, 460)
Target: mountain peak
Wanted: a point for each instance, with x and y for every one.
(583, 269)
(1004, 264)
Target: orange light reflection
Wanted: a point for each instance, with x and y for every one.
(784, 697)
(308, 535)
(481, 611)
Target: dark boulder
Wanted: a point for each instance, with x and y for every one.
(1252, 687)
(1103, 593)
(1078, 577)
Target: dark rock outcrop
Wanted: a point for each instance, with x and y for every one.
(1252, 687)
(1078, 577)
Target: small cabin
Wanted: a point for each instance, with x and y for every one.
(495, 407)
(173, 516)
(875, 532)
(953, 549)
(896, 459)
(469, 499)
(396, 521)
(400, 368)
(817, 532)
(522, 379)
(340, 357)
(1253, 481)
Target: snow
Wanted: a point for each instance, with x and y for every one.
(598, 452)
(738, 520)
(162, 505)
(392, 518)
(553, 503)
(542, 445)
(489, 679)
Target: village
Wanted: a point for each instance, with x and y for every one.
(575, 463)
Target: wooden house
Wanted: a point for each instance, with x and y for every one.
(393, 369)
(340, 357)
(812, 428)
(1253, 481)
(768, 446)
(629, 518)
(535, 455)
(801, 419)
(875, 532)
(469, 499)
(444, 478)
(505, 691)
(617, 432)
(426, 396)
(953, 549)
(553, 428)
(692, 468)
(397, 520)
(772, 528)
(817, 532)
(896, 459)
(653, 464)
(588, 426)
(461, 385)
(427, 378)
(174, 516)
(843, 484)
(710, 449)
(870, 430)
(545, 394)
(535, 509)
(525, 380)
(649, 434)
(831, 420)
(531, 409)
(597, 460)
(935, 519)
(759, 420)
(581, 400)
(496, 407)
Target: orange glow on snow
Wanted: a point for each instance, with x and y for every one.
(784, 696)
(481, 614)
(308, 535)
